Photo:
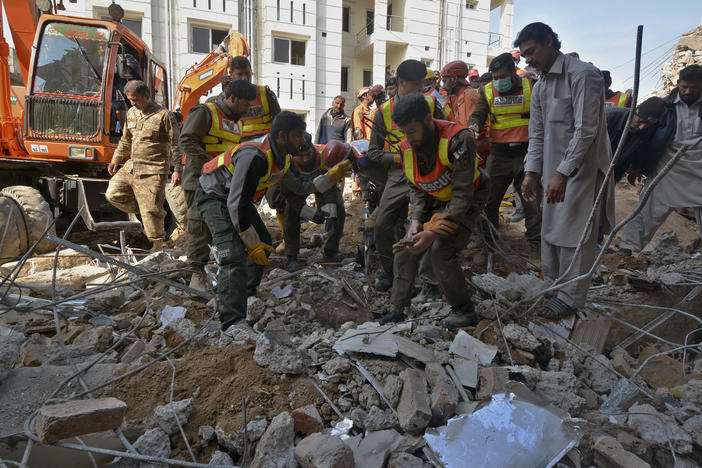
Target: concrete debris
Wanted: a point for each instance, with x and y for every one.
(74, 418)
(221, 458)
(166, 415)
(693, 426)
(69, 281)
(560, 388)
(153, 442)
(660, 371)
(133, 352)
(275, 449)
(444, 396)
(404, 460)
(668, 250)
(377, 419)
(393, 389)
(375, 448)
(414, 410)
(280, 358)
(323, 451)
(99, 338)
(658, 428)
(598, 374)
(10, 344)
(609, 453)
(691, 394)
(307, 420)
(466, 370)
(520, 337)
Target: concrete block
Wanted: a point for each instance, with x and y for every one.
(134, 350)
(307, 420)
(74, 418)
(609, 453)
(275, 449)
(414, 410)
(323, 451)
(444, 395)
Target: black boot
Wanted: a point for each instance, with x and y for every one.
(392, 314)
(292, 265)
(383, 282)
(461, 316)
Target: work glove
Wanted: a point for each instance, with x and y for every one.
(255, 248)
(327, 181)
(310, 214)
(440, 224)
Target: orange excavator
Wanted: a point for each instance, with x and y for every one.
(53, 158)
(208, 73)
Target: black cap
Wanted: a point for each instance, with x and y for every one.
(412, 70)
(485, 77)
(651, 109)
(241, 89)
(502, 61)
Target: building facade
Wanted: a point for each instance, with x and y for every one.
(309, 51)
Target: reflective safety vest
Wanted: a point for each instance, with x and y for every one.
(438, 182)
(223, 133)
(258, 120)
(393, 133)
(273, 175)
(510, 123)
(618, 100)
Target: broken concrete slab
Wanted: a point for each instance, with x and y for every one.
(414, 350)
(278, 356)
(323, 451)
(98, 337)
(133, 352)
(656, 427)
(74, 418)
(691, 393)
(668, 250)
(404, 460)
(10, 344)
(307, 420)
(599, 375)
(491, 380)
(592, 331)
(466, 370)
(68, 281)
(221, 458)
(414, 411)
(393, 389)
(560, 388)
(660, 371)
(444, 395)
(520, 337)
(609, 453)
(377, 419)
(275, 449)
(468, 347)
(166, 415)
(374, 449)
(371, 338)
(693, 426)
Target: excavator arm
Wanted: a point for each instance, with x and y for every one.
(208, 73)
(22, 16)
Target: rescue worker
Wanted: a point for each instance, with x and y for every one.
(430, 89)
(229, 186)
(462, 97)
(383, 149)
(140, 185)
(334, 124)
(505, 102)
(447, 195)
(614, 98)
(307, 176)
(391, 87)
(473, 78)
(210, 129)
(257, 121)
(377, 94)
(569, 151)
(361, 114)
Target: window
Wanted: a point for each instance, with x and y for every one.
(203, 40)
(277, 10)
(132, 24)
(470, 4)
(292, 8)
(344, 79)
(345, 13)
(157, 81)
(367, 77)
(370, 16)
(288, 51)
(304, 12)
(388, 18)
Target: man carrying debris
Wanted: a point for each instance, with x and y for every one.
(229, 186)
(308, 175)
(140, 185)
(447, 195)
(210, 130)
(569, 151)
(680, 125)
(462, 97)
(504, 102)
(394, 201)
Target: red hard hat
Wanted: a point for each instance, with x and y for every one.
(455, 68)
(362, 91)
(473, 72)
(376, 90)
(334, 152)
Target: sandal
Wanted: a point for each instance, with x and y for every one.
(556, 309)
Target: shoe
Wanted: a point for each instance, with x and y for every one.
(292, 265)
(518, 215)
(384, 282)
(429, 292)
(334, 257)
(535, 254)
(199, 281)
(461, 316)
(624, 252)
(392, 314)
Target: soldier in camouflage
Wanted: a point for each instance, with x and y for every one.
(140, 185)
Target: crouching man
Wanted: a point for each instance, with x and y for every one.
(447, 194)
(309, 175)
(229, 186)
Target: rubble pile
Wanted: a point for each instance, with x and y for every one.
(688, 51)
(308, 379)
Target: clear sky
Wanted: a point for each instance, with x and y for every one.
(604, 32)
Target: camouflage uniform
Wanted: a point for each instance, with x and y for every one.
(140, 185)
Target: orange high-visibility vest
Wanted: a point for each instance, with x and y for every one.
(393, 133)
(260, 123)
(273, 175)
(438, 182)
(618, 100)
(510, 123)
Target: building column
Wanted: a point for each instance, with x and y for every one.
(506, 21)
(379, 44)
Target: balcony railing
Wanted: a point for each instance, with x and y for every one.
(497, 40)
(365, 31)
(393, 23)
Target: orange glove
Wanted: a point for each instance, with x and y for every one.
(440, 224)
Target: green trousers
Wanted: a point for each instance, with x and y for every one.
(238, 276)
